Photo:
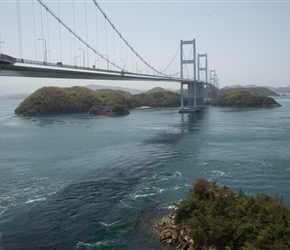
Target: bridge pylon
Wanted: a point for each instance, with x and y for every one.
(214, 81)
(195, 88)
(203, 68)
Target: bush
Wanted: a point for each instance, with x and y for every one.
(52, 100)
(217, 217)
(157, 99)
(244, 98)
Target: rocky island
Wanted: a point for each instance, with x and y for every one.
(57, 100)
(216, 218)
(244, 98)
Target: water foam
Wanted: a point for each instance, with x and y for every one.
(35, 200)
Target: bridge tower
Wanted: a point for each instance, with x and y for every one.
(212, 77)
(204, 68)
(195, 87)
(191, 83)
(214, 81)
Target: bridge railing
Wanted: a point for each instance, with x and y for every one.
(7, 59)
(67, 66)
(59, 64)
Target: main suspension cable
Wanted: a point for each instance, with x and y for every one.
(172, 59)
(59, 29)
(19, 28)
(35, 50)
(86, 19)
(113, 26)
(48, 40)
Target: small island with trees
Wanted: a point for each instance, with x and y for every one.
(244, 98)
(212, 217)
(57, 100)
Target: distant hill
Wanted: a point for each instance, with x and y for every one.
(99, 87)
(234, 87)
(156, 89)
(280, 89)
(257, 90)
(124, 93)
(13, 96)
(157, 99)
(129, 90)
(237, 86)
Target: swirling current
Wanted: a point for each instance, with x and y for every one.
(88, 182)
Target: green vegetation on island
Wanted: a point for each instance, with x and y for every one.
(157, 99)
(216, 218)
(56, 100)
(244, 98)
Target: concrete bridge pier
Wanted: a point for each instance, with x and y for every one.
(200, 94)
(191, 97)
(194, 96)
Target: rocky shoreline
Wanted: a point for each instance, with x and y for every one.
(212, 217)
(170, 235)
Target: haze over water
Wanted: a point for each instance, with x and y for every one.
(91, 182)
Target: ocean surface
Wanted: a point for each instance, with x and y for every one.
(80, 181)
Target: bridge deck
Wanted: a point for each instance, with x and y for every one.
(10, 66)
(50, 72)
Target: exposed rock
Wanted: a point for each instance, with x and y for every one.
(170, 235)
(212, 218)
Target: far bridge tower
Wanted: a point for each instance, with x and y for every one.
(195, 88)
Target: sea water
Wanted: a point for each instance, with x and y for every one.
(80, 181)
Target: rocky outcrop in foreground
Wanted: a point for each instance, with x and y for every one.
(168, 234)
(212, 217)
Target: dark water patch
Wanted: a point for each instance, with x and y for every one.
(104, 180)
(174, 134)
(145, 236)
(165, 138)
(75, 213)
(78, 213)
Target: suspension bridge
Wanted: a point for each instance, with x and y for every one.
(105, 53)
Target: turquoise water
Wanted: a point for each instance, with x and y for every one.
(89, 182)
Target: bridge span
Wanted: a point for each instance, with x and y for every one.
(10, 66)
(121, 60)
(196, 96)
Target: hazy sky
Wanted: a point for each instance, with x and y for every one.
(247, 42)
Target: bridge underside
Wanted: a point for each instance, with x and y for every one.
(89, 74)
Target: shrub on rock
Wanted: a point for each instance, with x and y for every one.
(212, 217)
